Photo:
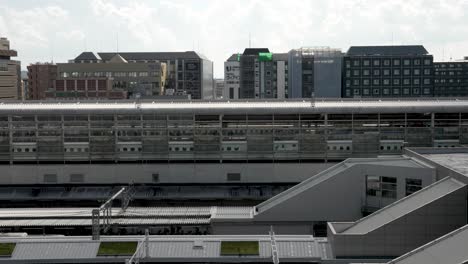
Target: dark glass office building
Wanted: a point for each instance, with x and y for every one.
(388, 71)
(451, 78)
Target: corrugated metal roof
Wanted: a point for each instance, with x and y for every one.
(404, 206)
(131, 212)
(56, 250)
(87, 222)
(46, 212)
(168, 211)
(44, 222)
(187, 215)
(169, 247)
(232, 212)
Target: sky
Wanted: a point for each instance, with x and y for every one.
(56, 30)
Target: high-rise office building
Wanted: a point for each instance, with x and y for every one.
(40, 78)
(263, 74)
(451, 78)
(218, 88)
(232, 77)
(10, 72)
(315, 72)
(388, 71)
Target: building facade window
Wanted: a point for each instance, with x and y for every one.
(385, 187)
(413, 185)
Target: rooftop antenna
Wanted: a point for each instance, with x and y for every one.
(85, 44)
(52, 50)
(250, 41)
(117, 40)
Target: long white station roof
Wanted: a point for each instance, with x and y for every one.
(242, 106)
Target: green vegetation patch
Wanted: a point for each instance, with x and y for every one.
(117, 248)
(6, 249)
(239, 248)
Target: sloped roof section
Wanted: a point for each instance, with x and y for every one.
(404, 206)
(329, 173)
(233, 57)
(117, 59)
(301, 187)
(387, 50)
(139, 56)
(87, 56)
(450, 248)
(255, 51)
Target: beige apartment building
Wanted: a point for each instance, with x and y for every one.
(10, 72)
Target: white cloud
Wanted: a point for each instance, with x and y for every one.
(73, 35)
(220, 28)
(29, 27)
(139, 19)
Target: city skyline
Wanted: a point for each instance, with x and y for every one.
(61, 30)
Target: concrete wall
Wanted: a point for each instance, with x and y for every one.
(322, 202)
(168, 173)
(408, 232)
(426, 175)
(280, 83)
(327, 75)
(343, 196)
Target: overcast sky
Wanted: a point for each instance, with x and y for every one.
(60, 30)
